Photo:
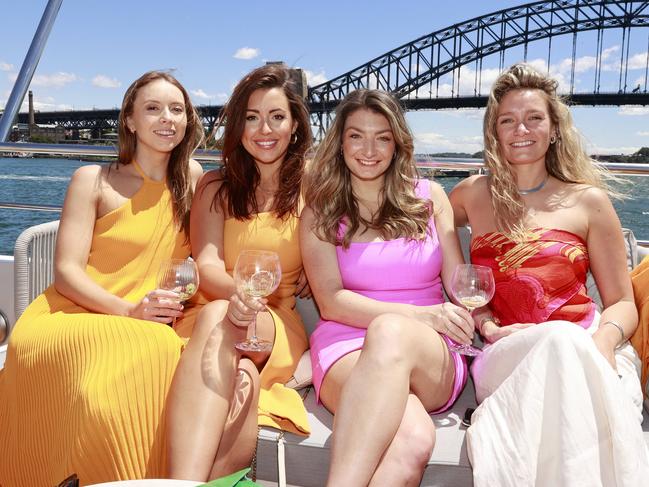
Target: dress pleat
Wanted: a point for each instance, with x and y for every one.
(84, 392)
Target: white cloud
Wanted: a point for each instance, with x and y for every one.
(313, 79)
(199, 93)
(103, 81)
(6, 66)
(56, 80)
(45, 104)
(638, 61)
(633, 111)
(642, 134)
(601, 150)
(246, 53)
(426, 142)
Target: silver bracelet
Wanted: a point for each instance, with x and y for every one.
(618, 326)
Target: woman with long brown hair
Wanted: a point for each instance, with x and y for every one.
(378, 245)
(252, 203)
(90, 361)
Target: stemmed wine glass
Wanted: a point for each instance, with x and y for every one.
(179, 276)
(256, 274)
(473, 286)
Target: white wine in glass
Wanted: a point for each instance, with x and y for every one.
(473, 286)
(179, 276)
(257, 274)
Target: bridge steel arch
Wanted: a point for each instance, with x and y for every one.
(423, 61)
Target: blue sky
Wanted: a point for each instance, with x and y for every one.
(97, 48)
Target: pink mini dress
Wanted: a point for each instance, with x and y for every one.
(398, 271)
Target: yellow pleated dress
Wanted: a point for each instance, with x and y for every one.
(279, 406)
(83, 392)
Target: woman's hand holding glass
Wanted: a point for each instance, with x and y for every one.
(473, 286)
(257, 274)
(449, 319)
(158, 305)
(177, 282)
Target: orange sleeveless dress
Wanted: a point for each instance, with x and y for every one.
(279, 406)
(83, 392)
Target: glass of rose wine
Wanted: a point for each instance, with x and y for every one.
(473, 287)
(257, 274)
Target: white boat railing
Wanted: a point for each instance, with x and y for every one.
(87, 150)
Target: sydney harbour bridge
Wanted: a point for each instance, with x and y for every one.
(597, 49)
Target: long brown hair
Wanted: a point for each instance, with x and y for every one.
(178, 175)
(328, 188)
(565, 159)
(240, 176)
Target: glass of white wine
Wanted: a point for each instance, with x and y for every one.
(179, 276)
(257, 274)
(473, 286)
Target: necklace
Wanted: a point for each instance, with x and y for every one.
(535, 188)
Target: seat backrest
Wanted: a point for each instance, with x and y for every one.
(33, 263)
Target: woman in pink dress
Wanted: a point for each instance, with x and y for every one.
(561, 403)
(377, 244)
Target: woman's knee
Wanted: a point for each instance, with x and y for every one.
(388, 339)
(210, 316)
(414, 445)
(565, 336)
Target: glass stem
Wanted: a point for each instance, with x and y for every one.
(254, 338)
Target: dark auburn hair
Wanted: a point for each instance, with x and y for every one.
(178, 176)
(240, 176)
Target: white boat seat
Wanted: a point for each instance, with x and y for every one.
(33, 263)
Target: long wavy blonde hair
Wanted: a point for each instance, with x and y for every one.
(565, 159)
(328, 187)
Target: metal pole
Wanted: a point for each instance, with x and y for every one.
(29, 67)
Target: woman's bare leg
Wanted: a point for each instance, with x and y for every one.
(409, 452)
(201, 393)
(239, 440)
(398, 356)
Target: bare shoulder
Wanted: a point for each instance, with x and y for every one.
(437, 192)
(307, 216)
(210, 181)
(470, 188)
(195, 170)
(586, 195)
(89, 173)
(473, 183)
(89, 178)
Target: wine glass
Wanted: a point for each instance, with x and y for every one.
(179, 276)
(473, 286)
(256, 274)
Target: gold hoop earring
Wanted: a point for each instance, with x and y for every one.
(553, 139)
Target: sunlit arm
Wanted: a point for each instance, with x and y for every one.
(206, 228)
(608, 264)
(73, 246)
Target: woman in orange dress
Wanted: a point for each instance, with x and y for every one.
(90, 361)
(253, 202)
(558, 382)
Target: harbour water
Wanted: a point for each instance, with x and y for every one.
(43, 181)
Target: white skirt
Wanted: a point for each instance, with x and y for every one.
(554, 413)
